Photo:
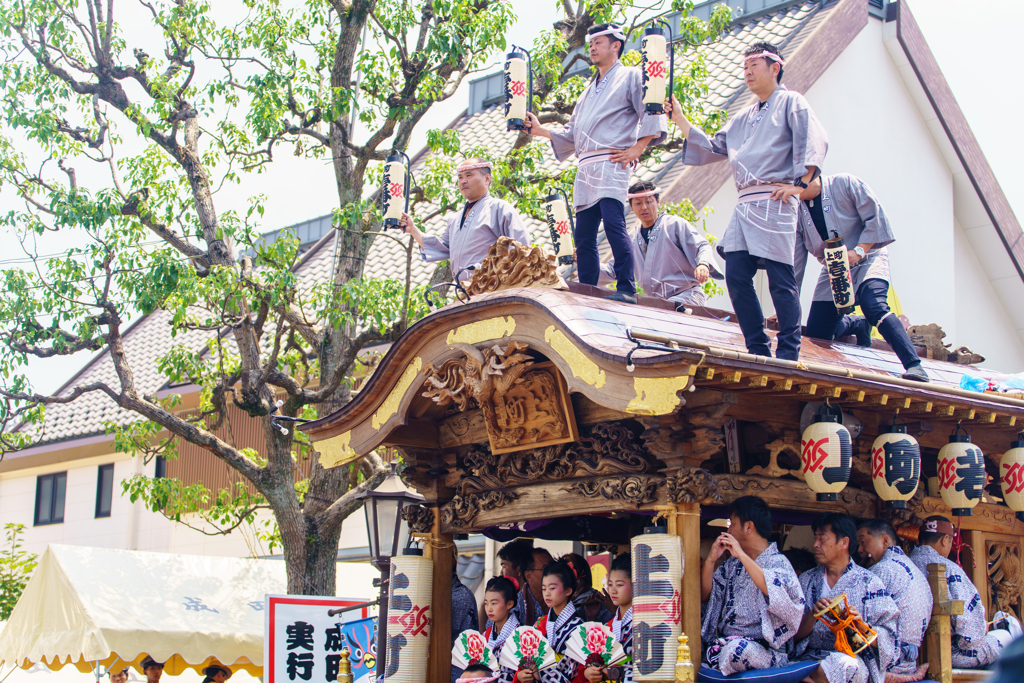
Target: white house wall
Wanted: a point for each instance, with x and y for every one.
(877, 132)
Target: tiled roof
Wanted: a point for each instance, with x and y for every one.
(150, 337)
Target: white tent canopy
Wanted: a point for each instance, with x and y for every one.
(88, 605)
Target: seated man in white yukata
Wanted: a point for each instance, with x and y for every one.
(753, 603)
(974, 646)
(878, 546)
(835, 535)
(671, 260)
(469, 233)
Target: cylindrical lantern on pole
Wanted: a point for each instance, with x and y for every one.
(518, 85)
(826, 452)
(1011, 476)
(895, 465)
(961, 471)
(395, 189)
(657, 623)
(657, 66)
(409, 617)
(837, 264)
(560, 223)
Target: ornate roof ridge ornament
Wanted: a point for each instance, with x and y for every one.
(510, 264)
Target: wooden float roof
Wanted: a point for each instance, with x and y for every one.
(586, 339)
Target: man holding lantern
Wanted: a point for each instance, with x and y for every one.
(775, 147)
(469, 234)
(608, 131)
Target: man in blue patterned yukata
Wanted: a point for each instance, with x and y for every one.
(835, 535)
(877, 545)
(754, 603)
(973, 645)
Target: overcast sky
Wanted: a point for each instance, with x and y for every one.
(973, 43)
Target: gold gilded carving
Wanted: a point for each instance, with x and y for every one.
(657, 395)
(510, 264)
(694, 485)
(1004, 577)
(581, 366)
(635, 490)
(521, 409)
(336, 451)
(483, 330)
(390, 406)
(419, 517)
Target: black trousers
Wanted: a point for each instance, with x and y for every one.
(740, 268)
(824, 321)
(613, 213)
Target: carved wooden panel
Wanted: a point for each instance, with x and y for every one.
(535, 412)
(1004, 575)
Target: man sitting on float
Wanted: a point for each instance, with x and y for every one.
(869, 602)
(973, 645)
(671, 260)
(878, 547)
(469, 234)
(754, 603)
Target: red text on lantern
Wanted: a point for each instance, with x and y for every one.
(1014, 478)
(656, 69)
(814, 454)
(517, 87)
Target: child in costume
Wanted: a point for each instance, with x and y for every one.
(620, 590)
(478, 673)
(499, 601)
(559, 585)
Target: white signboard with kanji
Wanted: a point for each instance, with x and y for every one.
(303, 644)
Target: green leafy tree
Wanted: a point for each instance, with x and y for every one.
(121, 141)
(16, 567)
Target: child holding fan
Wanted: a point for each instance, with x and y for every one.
(558, 624)
(620, 590)
(499, 600)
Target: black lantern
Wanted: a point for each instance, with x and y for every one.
(386, 528)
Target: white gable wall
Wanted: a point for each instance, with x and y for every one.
(877, 132)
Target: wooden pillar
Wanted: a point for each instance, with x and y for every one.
(938, 640)
(979, 572)
(441, 548)
(687, 527)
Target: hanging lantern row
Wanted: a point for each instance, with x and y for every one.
(961, 471)
(895, 465)
(1011, 476)
(518, 87)
(657, 66)
(826, 451)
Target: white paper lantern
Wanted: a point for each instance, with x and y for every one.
(1011, 476)
(826, 452)
(655, 67)
(657, 623)
(394, 190)
(837, 265)
(961, 470)
(409, 618)
(556, 211)
(895, 466)
(518, 89)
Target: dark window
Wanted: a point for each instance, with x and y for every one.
(50, 498)
(104, 490)
(161, 468)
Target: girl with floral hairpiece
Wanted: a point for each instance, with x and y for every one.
(499, 603)
(559, 584)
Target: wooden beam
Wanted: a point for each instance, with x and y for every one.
(1007, 420)
(807, 390)
(965, 414)
(878, 400)
(758, 381)
(831, 392)
(730, 377)
(986, 418)
(781, 385)
(945, 411)
(853, 395)
(704, 373)
(923, 407)
(938, 637)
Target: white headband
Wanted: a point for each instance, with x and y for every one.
(645, 193)
(612, 31)
(767, 55)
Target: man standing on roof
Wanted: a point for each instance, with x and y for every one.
(775, 147)
(973, 644)
(671, 260)
(608, 131)
(878, 547)
(843, 205)
(469, 233)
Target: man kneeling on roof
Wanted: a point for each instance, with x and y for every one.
(671, 260)
(469, 234)
(835, 534)
(974, 646)
(754, 603)
(880, 552)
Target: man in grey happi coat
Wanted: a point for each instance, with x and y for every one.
(469, 233)
(608, 131)
(775, 148)
(753, 602)
(877, 545)
(973, 644)
(671, 260)
(834, 537)
(843, 205)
